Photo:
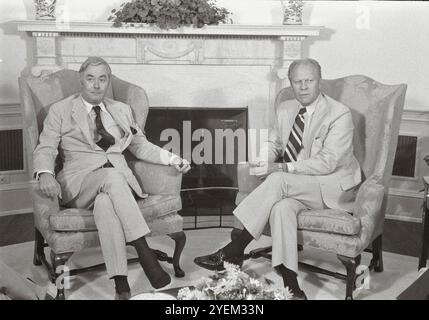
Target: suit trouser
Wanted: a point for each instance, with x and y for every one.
(277, 201)
(116, 214)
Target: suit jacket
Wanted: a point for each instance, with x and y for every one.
(327, 149)
(66, 129)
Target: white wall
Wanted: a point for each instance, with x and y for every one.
(386, 40)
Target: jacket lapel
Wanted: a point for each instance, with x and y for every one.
(316, 123)
(80, 115)
(121, 119)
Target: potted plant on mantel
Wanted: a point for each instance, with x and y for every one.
(169, 14)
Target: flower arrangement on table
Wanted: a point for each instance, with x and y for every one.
(233, 284)
(169, 14)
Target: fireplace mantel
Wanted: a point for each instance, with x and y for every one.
(59, 44)
(225, 30)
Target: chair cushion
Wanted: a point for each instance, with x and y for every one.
(330, 221)
(152, 208)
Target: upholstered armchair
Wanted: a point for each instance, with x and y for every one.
(69, 230)
(376, 111)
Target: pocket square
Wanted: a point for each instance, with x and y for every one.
(133, 130)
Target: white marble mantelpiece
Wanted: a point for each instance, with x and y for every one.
(231, 30)
(57, 43)
(222, 66)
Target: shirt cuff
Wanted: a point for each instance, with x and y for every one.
(37, 174)
(290, 167)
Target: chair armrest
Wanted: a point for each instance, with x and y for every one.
(43, 207)
(156, 178)
(367, 207)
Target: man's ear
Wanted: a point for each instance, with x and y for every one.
(81, 80)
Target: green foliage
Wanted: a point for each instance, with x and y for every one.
(169, 14)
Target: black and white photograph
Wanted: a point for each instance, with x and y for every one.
(234, 151)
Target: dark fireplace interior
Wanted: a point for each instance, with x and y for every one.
(208, 189)
(405, 157)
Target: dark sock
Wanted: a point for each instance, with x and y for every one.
(153, 270)
(236, 247)
(141, 246)
(289, 278)
(121, 284)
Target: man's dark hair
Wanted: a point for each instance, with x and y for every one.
(94, 61)
(299, 62)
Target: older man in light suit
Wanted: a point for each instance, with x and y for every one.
(314, 136)
(91, 131)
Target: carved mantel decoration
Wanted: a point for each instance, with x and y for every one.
(160, 46)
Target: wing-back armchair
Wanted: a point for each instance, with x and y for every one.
(69, 230)
(376, 111)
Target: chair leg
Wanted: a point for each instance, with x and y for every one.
(180, 240)
(351, 265)
(58, 262)
(425, 240)
(377, 254)
(39, 253)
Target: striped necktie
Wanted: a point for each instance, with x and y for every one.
(294, 144)
(106, 138)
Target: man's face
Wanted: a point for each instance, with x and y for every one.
(305, 84)
(94, 83)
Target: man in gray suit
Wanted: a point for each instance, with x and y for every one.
(314, 136)
(92, 131)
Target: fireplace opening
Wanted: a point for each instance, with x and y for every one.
(214, 140)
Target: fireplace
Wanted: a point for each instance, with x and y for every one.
(214, 141)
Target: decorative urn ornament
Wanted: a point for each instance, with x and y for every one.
(45, 9)
(292, 11)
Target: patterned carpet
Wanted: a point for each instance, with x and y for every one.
(399, 271)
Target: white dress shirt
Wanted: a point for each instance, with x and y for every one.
(107, 120)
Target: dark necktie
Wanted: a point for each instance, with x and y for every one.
(106, 138)
(294, 144)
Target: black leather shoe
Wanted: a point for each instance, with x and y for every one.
(299, 296)
(215, 261)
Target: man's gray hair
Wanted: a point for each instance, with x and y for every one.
(94, 61)
(299, 62)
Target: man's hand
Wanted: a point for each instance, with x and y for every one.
(49, 186)
(263, 169)
(181, 165)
